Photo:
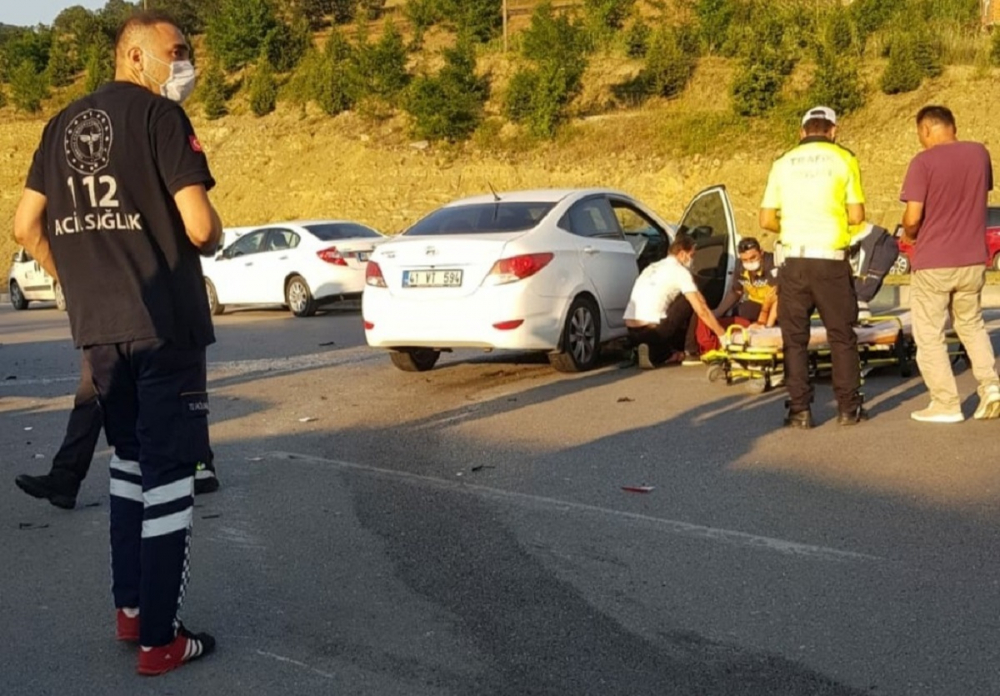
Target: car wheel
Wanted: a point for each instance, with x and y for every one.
(60, 297)
(902, 265)
(214, 308)
(17, 300)
(581, 340)
(299, 298)
(415, 359)
(996, 262)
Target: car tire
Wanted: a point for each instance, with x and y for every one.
(580, 346)
(902, 265)
(299, 297)
(214, 308)
(60, 297)
(415, 359)
(17, 299)
(996, 262)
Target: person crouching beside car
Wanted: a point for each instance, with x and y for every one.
(664, 300)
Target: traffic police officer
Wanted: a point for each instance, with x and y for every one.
(116, 208)
(813, 195)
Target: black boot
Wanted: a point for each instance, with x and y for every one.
(61, 491)
(799, 419)
(852, 417)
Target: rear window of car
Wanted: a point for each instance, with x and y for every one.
(482, 218)
(993, 217)
(341, 230)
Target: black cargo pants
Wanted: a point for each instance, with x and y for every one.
(155, 406)
(807, 285)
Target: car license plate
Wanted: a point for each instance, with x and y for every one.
(432, 279)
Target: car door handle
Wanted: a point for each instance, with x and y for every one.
(248, 263)
(591, 251)
(283, 258)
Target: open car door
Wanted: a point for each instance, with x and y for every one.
(709, 220)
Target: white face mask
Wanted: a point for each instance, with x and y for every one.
(179, 84)
(688, 262)
(752, 266)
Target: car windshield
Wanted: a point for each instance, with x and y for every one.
(482, 218)
(332, 231)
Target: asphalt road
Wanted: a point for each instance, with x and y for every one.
(465, 531)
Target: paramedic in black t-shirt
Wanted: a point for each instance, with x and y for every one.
(116, 208)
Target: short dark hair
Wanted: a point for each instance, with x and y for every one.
(682, 242)
(748, 244)
(143, 19)
(818, 126)
(936, 114)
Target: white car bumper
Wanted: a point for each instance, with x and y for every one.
(463, 322)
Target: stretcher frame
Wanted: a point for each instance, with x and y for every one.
(760, 369)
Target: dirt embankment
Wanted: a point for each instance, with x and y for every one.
(289, 165)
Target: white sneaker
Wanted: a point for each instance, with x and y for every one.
(936, 414)
(989, 404)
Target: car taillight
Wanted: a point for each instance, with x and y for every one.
(517, 268)
(508, 325)
(368, 325)
(333, 256)
(373, 275)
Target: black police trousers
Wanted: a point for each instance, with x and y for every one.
(155, 407)
(824, 285)
(676, 332)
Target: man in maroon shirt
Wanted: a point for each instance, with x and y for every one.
(945, 192)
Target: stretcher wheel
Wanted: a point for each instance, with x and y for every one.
(756, 385)
(901, 352)
(716, 373)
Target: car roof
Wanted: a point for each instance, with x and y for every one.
(532, 196)
(295, 223)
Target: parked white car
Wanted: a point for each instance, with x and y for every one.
(548, 270)
(28, 282)
(301, 265)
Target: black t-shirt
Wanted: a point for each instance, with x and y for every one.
(109, 165)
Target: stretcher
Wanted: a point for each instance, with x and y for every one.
(754, 357)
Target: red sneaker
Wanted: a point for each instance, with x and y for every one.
(128, 627)
(186, 647)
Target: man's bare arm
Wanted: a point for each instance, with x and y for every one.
(700, 307)
(855, 213)
(913, 218)
(201, 221)
(770, 220)
(30, 231)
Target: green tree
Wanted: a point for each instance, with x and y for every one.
(607, 15)
(285, 44)
(343, 10)
(100, 65)
(82, 29)
(449, 106)
(903, 73)
(60, 68)
(373, 9)
(28, 87)
(666, 73)
(872, 15)
(263, 89)
(214, 92)
(422, 14)
(756, 87)
(236, 34)
(714, 20)
(837, 83)
(839, 33)
(25, 45)
(185, 12)
(480, 19)
(637, 39)
(381, 66)
(330, 78)
(995, 48)
(927, 52)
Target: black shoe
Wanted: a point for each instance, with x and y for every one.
(59, 492)
(799, 419)
(643, 357)
(205, 480)
(852, 417)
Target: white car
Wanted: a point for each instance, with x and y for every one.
(28, 282)
(548, 270)
(302, 265)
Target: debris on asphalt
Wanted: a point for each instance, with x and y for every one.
(28, 429)
(625, 400)
(28, 526)
(327, 343)
(255, 459)
(211, 517)
(638, 489)
(307, 419)
(39, 456)
(93, 505)
(10, 377)
(480, 467)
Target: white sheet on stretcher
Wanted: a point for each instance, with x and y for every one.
(882, 332)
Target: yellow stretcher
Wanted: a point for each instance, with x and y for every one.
(754, 357)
